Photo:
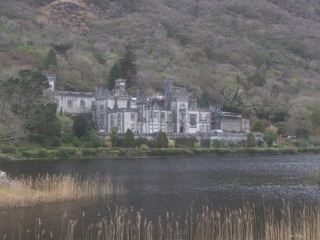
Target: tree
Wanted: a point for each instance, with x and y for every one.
(258, 126)
(162, 140)
(51, 59)
(62, 48)
(251, 141)
(47, 123)
(128, 66)
(24, 97)
(115, 73)
(114, 136)
(282, 128)
(299, 123)
(257, 80)
(269, 136)
(80, 126)
(11, 126)
(129, 140)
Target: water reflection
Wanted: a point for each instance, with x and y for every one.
(173, 184)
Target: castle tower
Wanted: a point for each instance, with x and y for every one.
(120, 87)
(52, 78)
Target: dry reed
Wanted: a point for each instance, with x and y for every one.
(241, 224)
(27, 191)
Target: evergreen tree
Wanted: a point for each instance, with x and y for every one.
(129, 140)
(258, 126)
(115, 73)
(269, 137)
(114, 136)
(251, 141)
(162, 140)
(48, 123)
(80, 126)
(128, 66)
(62, 48)
(51, 59)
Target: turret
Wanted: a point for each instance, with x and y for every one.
(52, 81)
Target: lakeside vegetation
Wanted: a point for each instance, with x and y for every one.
(77, 139)
(71, 152)
(241, 224)
(26, 191)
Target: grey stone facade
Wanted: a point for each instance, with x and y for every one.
(174, 111)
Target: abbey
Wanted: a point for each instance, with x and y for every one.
(173, 111)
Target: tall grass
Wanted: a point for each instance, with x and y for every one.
(241, 224)
(27, 191)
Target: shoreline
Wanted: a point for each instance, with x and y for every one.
(117, 153)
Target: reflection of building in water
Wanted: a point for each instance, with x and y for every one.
(174, 111)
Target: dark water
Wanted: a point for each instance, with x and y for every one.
(173, 184)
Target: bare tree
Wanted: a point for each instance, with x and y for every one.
(11, 126)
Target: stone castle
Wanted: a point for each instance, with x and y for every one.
(173, 111)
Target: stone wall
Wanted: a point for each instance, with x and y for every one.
(74, 102)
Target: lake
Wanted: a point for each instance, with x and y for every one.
(172, 184)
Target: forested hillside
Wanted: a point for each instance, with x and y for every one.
(256, 57)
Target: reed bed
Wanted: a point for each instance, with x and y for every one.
(27, 191)
(242, 224)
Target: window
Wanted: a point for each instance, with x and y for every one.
(193, 120)
(154, 115)
(182, 116)
(133, 127)
(163, 116)
(82, 103)
(69, 103)
(119, 121)
(170, 117)
(101, 107)
(111, 120)
(207, 117)
(133, 116)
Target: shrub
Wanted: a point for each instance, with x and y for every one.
(39, 138)
(76, 142)
(216, 143)
(26, 154)
(205, 143)
(65, 153)
(8, 149)
(185, 142)
(92, 140)
(89, 152)
(196, 145)
(107, 142)
(56, 142)
(42, 153)
(144, 147)
(68, 137)
(93, 143)
(140, 141)
(171, 143)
